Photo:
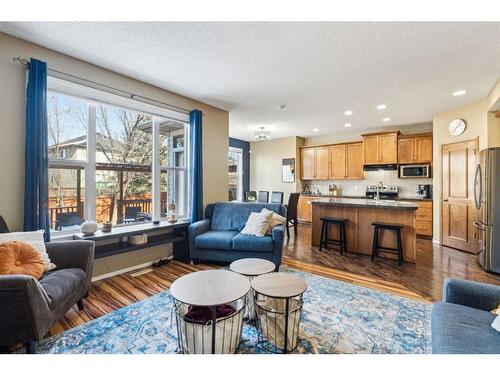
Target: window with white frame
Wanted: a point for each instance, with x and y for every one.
(113, 160)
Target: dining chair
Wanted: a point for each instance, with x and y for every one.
(249, 194)
(277, 197)
(291, 213)
(263, 197)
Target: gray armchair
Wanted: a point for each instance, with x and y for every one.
(461, 323)
(30, 307)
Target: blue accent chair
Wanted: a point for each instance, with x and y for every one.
(218, 238)
(461, 324)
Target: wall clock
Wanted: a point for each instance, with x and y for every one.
(457, 126)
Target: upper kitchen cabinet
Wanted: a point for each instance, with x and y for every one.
(380, 148)
(346, 161)
(415, 149)
(337, 162)
(322, 162)
(308, 164)
(354, 161)
(314, 163)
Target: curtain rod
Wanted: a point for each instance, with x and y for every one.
(109, 89)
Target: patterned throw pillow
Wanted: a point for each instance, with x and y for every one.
(20, 258)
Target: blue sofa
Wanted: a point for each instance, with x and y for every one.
(218, 238)
(461, 324)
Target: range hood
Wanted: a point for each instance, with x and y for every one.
(380, 167)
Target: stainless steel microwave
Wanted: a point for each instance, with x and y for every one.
(415, 171)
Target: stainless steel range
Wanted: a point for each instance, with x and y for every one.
(384, 192)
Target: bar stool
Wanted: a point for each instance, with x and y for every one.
(376, 248)
(324, 240)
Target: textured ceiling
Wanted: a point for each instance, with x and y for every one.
(318, 70)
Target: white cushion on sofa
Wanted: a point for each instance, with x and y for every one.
(496, 323)
(35, 239)
(258, 223)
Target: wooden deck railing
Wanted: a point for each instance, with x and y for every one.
(144, 205)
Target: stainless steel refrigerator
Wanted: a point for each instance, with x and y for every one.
(487, 200)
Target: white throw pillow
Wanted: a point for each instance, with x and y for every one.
(275, 220)
(496, 323)
(257, 224)
(35, 239)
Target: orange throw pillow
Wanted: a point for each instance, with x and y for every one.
(18, 257)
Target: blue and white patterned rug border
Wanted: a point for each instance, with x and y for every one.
(326, 327)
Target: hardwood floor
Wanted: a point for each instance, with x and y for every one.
(422, 281)
(121, 290)
(425, 278)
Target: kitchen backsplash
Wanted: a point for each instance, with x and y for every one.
(407, 187)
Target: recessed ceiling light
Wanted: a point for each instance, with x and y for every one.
(381, 106)
(315, 130)
(348, 113)
(347, 125)
(459, 93)
(386, 119)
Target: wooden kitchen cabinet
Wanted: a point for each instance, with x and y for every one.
(315, 163)
(346, 161)
(322, 158)
(415, 149)
(424, 218)
(337, 162)
(380, 148)
(371, 150)
(405, 150)
(423, 147)
(354, 161)
(307, 170)
(304, 209)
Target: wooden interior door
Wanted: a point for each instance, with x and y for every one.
(307, 163)
(354, 160)
(322, 163)
(457, 208)
(337, 162)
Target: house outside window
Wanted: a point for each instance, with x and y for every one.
(111, 163)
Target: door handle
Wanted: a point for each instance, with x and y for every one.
(478, 225)
(445, 200)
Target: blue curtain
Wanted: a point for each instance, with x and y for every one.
(195, 166)
(36, 197)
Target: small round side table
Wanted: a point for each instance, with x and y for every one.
(251, 267)
(210, 289)
(278, 304)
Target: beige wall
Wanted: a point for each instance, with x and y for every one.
(479, 125)
(12, 121)
(355, 134)
(265, 164)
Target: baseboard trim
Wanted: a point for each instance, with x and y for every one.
(118, 272)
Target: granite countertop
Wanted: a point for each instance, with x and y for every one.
(368, 203)
(413, 198)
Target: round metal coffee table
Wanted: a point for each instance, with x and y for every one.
(251, 267)
(210, 289)
(278, 304)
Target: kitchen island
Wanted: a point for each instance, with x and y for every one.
(360, 214)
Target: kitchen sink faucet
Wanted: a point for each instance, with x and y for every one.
(380, 186)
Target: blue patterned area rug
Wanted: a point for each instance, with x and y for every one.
(337, 318)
